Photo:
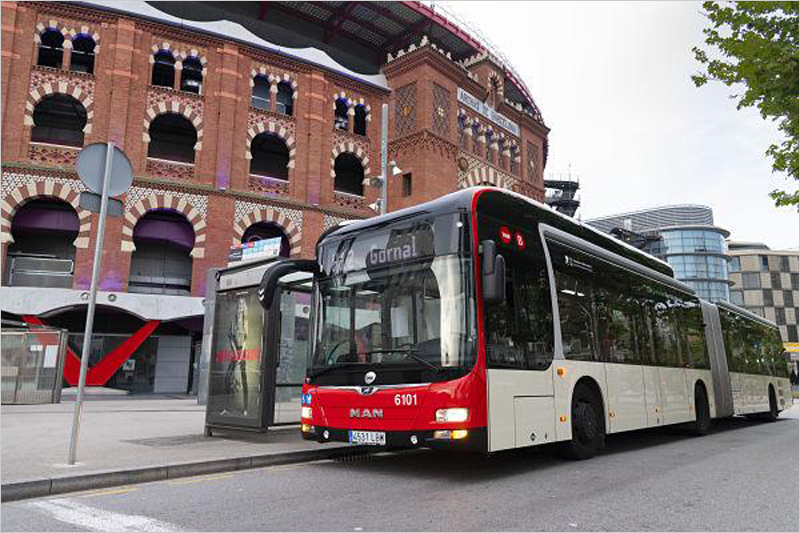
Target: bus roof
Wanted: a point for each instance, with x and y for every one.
(745, 313)
(463, 199)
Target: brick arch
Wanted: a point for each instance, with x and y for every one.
(349, 147)
(164, 201)
(23, 194)
(484, 175)
(39, 92)
(271, 126)
(180, 108)
(267, 214)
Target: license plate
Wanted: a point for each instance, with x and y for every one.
(370, 438)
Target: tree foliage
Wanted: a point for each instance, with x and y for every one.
(755, 47)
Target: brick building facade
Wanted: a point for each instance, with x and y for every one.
(315, 125)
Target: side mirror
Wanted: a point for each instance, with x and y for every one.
(269, 282)
(493, 273)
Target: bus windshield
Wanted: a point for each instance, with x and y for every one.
(401, 304)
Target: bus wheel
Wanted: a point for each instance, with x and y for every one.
(587, 427)
(702, 422)
(772, 414)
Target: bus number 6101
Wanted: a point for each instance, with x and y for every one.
(405, 399)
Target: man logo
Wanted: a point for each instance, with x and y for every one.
(366, 413)
(369, 378)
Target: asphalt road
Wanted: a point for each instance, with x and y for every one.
(743, 476)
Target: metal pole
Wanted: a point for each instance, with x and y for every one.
(384, 158)
(87, 333)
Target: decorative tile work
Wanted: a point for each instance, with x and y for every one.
(349, 201)
(53, 155)
(405, 110)
(137, 193)
(473, 172)
(140, 200)
(20, 187)
(330, 221)
(441, 111)
(290, 220)
(268, 186)
(158, 168)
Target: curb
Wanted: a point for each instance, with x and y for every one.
(59, 485)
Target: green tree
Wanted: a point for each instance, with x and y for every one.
(755, 47)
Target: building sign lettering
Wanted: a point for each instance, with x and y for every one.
(483, 109)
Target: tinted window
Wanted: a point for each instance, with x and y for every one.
(693, 334)
(788, 299)
(665, 330)
(519, 331)
(775, 280)
(575, 305)
(733, 339)
(795, 281)
(751, 280)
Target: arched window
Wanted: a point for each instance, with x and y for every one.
(82, 59)
(341, 119)
(51, 48)
(164, 69)
(261, 94)
(285, 100)
(360, 120)
(42, 254)
(349, 174)
(192, 75)
(267, 230)
(172, 137)
(270, 156)
(59, 119)
(161, 263)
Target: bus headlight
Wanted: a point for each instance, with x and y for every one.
(454, 414)
(305, 412)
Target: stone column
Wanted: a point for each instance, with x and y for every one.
(273, 94)
(67, 59)
(351, 116)
(177, 81)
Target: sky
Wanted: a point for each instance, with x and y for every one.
(612, 80)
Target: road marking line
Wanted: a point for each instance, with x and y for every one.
(104, 492)
(198, 479)
(71, 512)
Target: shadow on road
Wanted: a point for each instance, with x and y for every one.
(473, 467)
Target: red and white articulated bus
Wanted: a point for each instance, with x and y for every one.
(486, 321)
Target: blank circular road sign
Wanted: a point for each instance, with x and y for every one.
(91, 166)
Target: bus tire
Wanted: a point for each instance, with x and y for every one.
(772, 414)
(588, 429)
(702, 421)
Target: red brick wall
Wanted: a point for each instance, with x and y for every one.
(221, 178)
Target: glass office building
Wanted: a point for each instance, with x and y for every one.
(697, 255)
(685, 237)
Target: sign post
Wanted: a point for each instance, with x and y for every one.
(114, 179)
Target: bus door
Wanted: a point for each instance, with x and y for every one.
(290, 338)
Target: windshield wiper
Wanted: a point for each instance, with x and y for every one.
(411, 352)
(329, 368)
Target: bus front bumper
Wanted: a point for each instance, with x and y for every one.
(474, 439)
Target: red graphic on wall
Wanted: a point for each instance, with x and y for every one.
(101, 372)
(505, 235)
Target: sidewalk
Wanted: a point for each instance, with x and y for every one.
(129, 439)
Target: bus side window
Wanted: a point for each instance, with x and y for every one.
(576, 308)
(519, 331)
